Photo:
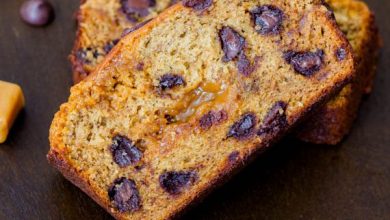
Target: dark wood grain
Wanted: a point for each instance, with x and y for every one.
(291, 181)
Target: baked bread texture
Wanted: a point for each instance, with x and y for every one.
(100, 26)
(334, 121)
(102, 22)
(183, 102)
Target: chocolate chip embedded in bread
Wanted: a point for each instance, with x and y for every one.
(95, 54)
(244, 65)
(140, 66)
(197, 4)
(174, 182)
(267, 19)
(170, 119)
(124, 195)
(305, 63)
(169, 81)
(275, 120)
(243, 128)
(212, 118)
(109, 45)
(82, 56)
(340, 53)
(234, 156)
(135, 9)
(124, 151)
(232, 43)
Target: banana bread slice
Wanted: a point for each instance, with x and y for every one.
(333, 121)
(190, 97)
(102, 22)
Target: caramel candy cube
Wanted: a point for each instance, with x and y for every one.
(11, 102)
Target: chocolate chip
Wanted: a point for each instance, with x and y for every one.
(37, 12)
(82, 56)
(95, 54)
(127, 31)
(168, 81)
(140, 66)
(244, 65)
(212, 118)
(124, 195)
(233, 47)
(275, 120)
(174, 182)
(170, 119)
(198, 5)
(136, 9)
(243, 128)
(108, 47)
(341, 53)
(267, 19)
(232, 43)
(124, 151)
(305, 63)
(233, 156)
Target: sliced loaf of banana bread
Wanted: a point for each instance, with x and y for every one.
(102, 22)
(184, 101)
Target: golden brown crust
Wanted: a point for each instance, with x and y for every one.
(74, 177)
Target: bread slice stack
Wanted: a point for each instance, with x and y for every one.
(182, 102)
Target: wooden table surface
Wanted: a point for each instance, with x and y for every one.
(291, 181)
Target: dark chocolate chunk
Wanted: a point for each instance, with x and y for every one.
(233, 156)
(108, 47)
(168, 81)
(82, 55)
(136, 9)
(341, 53)
(198, 5)
(212, 118)
(232, 43)
(305, 63)
(140, 66)
(244, 65)
(170, 119)
(37, 12)
(174, 182)
(95, 54)
(275, 120)
(124, 151)
(243, 128)
(267, 19)
(127, 31)
(124, 195)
